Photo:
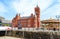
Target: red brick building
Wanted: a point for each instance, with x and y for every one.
(32, 21)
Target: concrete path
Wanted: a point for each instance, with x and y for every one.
(7, 37)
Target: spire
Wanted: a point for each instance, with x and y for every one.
(37, 9)
(37, 6)
(19, 14)
(37, 3)
(32, 14)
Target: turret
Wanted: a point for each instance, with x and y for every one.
(18, 16)
(37, 14)
(37, 11)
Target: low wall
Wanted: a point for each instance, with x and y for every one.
(34, 35)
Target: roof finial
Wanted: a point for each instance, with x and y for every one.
(37, 3)
(19, 14)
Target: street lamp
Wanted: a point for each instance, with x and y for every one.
(58, 17)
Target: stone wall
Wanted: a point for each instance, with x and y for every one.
(34, 35)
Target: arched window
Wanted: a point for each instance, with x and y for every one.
(19, 25)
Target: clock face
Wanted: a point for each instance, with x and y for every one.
(37, 12)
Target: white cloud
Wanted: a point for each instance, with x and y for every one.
(27, 6)
(23, 6)
(58, 1)
(56, 9)
(2, 8)
(44, 4)
(51, 12)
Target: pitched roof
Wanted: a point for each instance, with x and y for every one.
(6, 21)
(26, 17)
(50, 20)
(2, 17)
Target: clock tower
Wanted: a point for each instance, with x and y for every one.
(37, 13)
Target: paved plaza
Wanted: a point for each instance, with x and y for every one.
(7, 37)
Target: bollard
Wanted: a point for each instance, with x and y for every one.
(5, 32)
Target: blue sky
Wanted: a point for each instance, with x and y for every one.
(48, 8)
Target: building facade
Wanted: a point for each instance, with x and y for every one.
(4, 22)
(50, 24)
(32, 21)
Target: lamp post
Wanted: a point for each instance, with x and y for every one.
(58, 17)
